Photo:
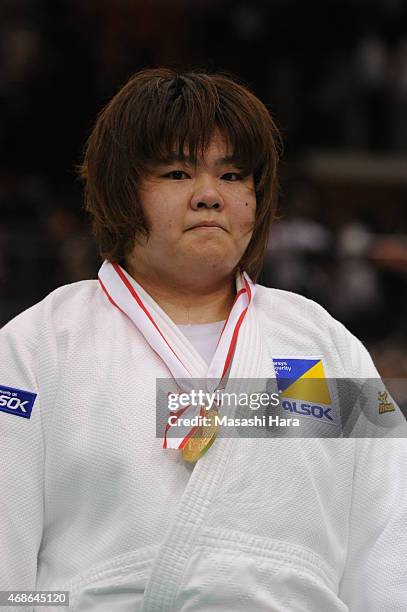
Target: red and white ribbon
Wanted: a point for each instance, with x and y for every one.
(166, 340)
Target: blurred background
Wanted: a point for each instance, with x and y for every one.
(334, 76)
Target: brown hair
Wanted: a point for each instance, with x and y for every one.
(158, 113)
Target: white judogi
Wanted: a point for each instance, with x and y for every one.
(91, 503)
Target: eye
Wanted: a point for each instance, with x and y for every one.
(232, 176)
(177, 175)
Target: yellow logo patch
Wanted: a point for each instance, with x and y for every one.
(384, 405)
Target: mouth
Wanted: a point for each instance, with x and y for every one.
(206, 225)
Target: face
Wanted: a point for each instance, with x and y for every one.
(200, 217)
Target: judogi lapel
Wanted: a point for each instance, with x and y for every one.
(206, 479)
(170, 344)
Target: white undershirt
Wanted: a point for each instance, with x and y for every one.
(203, 337)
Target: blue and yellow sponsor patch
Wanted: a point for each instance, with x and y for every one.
(303, 387)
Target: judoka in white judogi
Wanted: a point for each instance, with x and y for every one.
(94, 499)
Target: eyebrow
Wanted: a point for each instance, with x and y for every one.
(225, 161)
(220, 161)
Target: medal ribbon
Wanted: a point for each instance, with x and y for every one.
(131, 299)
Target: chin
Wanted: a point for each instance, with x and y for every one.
(211, 255)
(214, 265)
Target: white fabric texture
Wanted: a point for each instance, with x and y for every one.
(91, 503)
(203, 337)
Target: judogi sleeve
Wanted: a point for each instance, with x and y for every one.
(22, 350)
(375, 574)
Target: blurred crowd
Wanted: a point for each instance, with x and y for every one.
(334, 75)
(354, 263)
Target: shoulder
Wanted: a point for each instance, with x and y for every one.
(300, 321)
(288, 306)
(57, 310)
(270, 296)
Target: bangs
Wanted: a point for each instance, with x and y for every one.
(178, 117)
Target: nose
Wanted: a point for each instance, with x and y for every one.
(206, 195)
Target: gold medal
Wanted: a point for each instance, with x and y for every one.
(202, 439)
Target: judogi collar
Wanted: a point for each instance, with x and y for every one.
(158, 330)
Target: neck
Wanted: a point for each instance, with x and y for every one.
(189, 302)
